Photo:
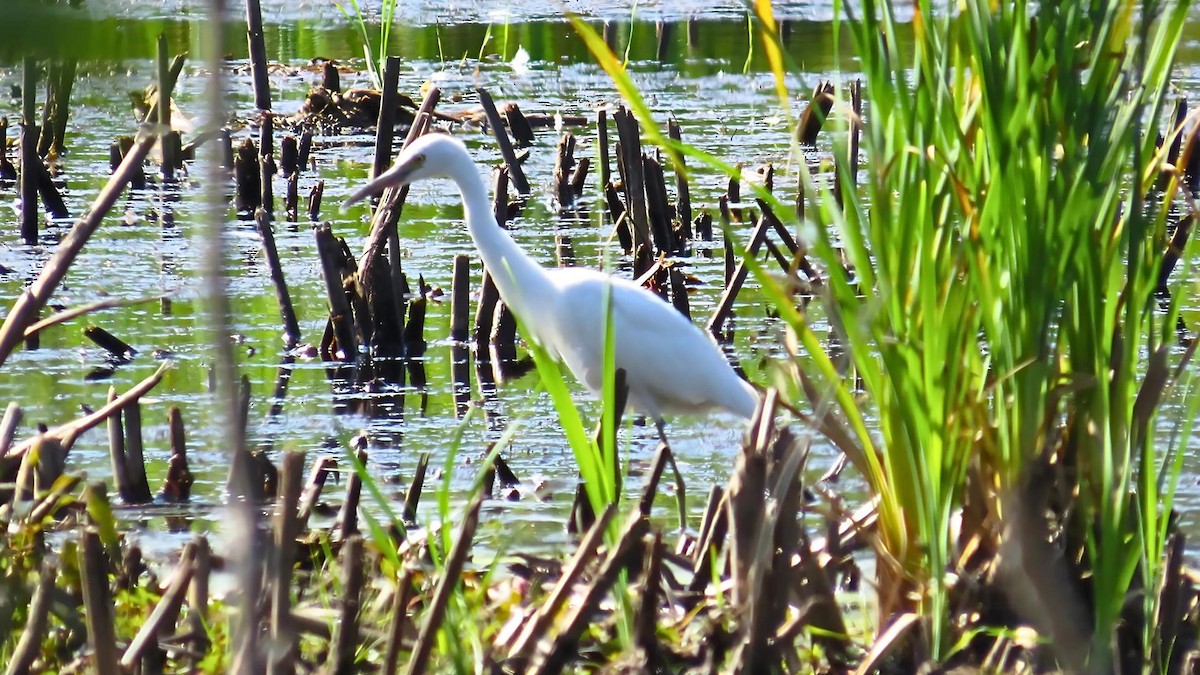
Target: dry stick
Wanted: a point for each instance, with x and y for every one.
(339, 306)
(553, 656)
(460, 312)
(27, 306)
(460, 298)
(679, 295)
(289, 156)
(489, 296)
(8, 426)
(165, 612)
(712, 538)
(578, 179)
(116, 452)
(1175, 133)
(400, 601)
(291, 202)
(657, 206)
(29, 646)
(115, 346)
(1191, 160)
(165, 85)
(135, 460)
(247, 177)
(346, 638)
(7, 170)
(629, 155)
(855, 132)
(266, 164)
(664, 32)
(258, 55)
(348, 517)
(535, 629)
(51, 197)
(291, 327)
(178, 485)
(312, 490)
(516, 173)
(522, 131)
(682, 192)
(564, 163)
(283, 635)
(29, 156)
(441, 594)
(57, 108)
(1183, 230)
(814, 115)
(385, 129)
(602, 137)
(387, 213)
(413, 496)
(729, 295)
(645, 615)
(314, 200)
(97, 601)
(330, 78)
(197, 598)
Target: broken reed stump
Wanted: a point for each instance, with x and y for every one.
(7, 170)
(266, 162)
(60, 81)
(814, 115)
(385, 129)
(347, 518)
(282, 560)
(165, 89)
(346, 634)
(29, 156)
(177, 487)
(117, 348)
(447, 581)
(460, 308)
(569, 175)
(339, 307)
(499, 132)
(314, 200)
(135, 455)
(258, 55)
(291, 327)
(51, 198)
(725, 305)
(289, 156)
(247, 178)
(97, 599)
(633, 185)
(852, 150)
(682, 192)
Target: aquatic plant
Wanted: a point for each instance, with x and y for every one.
(993, 286)
(374, 52)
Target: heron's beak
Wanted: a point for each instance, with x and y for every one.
(397, 175)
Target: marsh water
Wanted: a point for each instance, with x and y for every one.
(712, 78)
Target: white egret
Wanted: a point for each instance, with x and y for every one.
(671, 366)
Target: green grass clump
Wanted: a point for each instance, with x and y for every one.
(1005, 250)
(993, 283)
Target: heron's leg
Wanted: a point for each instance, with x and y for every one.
(662, 430)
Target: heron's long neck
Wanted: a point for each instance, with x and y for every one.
(518, 278)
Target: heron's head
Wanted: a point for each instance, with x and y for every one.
(429, 156)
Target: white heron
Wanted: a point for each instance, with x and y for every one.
(671, 366)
